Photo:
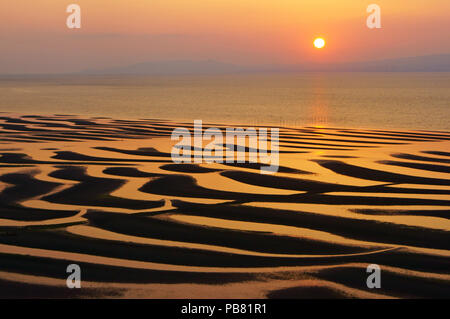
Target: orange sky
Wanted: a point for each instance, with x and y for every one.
(34, 36)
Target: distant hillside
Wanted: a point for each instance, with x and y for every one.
(173, 67)
(430, 63)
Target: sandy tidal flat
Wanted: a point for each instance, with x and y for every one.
(105, 194)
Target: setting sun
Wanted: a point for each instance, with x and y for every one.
(319, 43)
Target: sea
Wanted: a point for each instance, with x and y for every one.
(413, 101)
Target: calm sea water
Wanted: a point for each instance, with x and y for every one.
(357, 100)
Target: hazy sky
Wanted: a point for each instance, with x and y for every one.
(34, 36)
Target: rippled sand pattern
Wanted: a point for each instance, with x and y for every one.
(105, 194)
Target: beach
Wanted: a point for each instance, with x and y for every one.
(104, 193)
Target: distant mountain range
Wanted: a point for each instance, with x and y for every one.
(173, 68)
(429, 63)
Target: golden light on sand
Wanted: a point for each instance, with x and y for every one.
(319, 43)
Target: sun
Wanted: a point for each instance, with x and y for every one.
(319, 43)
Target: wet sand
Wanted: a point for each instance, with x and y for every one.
(105, 194)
